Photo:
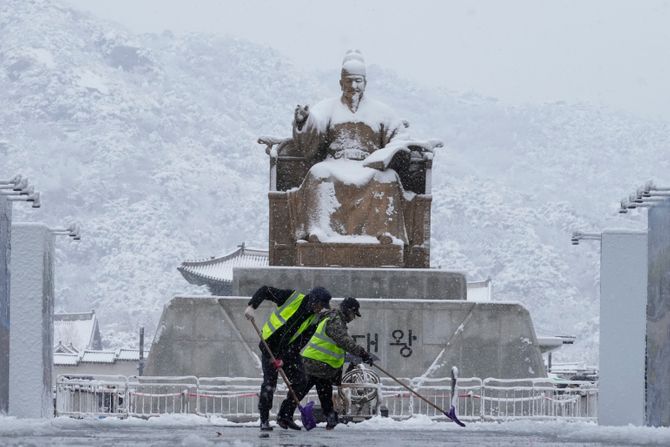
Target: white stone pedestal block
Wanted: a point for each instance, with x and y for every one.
(31, 332)
(623, 301)
(658, 317)
(5, 232)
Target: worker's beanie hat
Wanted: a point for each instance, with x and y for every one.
(319, 295)
(350, 304)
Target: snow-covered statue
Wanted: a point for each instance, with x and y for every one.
(350, 188)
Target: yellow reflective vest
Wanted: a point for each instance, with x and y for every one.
(280, 316)
(323, 349)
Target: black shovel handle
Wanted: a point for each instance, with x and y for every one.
(408, 388)
(272, 357)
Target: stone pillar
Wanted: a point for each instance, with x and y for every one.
(658, 317)
(623, 301)
(31, 337)
(5, 245)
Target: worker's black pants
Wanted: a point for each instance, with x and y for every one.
(292, 368)
(324, 388)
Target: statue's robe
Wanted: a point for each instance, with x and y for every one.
(341, 199)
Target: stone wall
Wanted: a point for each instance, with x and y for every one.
(209, 336)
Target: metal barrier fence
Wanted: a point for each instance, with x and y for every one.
(237, 398)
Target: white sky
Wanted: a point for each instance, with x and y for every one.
(611, 52)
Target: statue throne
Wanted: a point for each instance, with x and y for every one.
(288, 168)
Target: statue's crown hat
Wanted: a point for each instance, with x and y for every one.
(353, 63)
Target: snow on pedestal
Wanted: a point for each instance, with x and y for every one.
(32, 301)
(623, 300)
(5, 227)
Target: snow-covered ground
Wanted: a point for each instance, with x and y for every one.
(198, 431)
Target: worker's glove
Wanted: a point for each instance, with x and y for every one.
(249, 312)
(278, 363)
(367, 358)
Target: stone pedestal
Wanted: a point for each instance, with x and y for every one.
(623, 301)
(351, 255)
(197, 336)
(209, 337)
(31, 336)
(658, 317)
(387, 283)
(5, 253)
(416, 321)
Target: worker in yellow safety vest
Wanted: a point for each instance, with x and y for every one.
(286, 331)
(323, 358)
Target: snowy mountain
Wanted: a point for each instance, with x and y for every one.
(149, 142)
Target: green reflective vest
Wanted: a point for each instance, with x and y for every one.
(323, 349)
(279, 317)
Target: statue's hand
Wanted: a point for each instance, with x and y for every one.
(300, 116)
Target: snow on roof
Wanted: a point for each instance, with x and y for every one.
(98, 356)
(92, 356)
(128, 354)
(552, 342)
(63, 359)
(220, 269)
(75, 329)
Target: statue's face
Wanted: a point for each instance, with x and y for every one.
(353, 86)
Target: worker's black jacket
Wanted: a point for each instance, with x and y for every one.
(279, 340)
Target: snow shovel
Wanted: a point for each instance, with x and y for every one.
(451, 414)
(306, 412)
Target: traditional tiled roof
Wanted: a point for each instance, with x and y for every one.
(217, 273)
(63, 359)
(62, 349)
(128, 354)
(98, 356)
(550, 343)
(77, 330)
(92, 356)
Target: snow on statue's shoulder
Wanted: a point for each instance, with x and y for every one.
(320, 113)
(371, 112)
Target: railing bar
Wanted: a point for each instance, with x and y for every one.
(487, 399)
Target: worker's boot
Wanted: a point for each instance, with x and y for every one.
(331, 420)
(265, 425)
(287, 423)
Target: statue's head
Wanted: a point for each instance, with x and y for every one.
(352, 78)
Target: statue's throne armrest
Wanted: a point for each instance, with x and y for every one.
(288, 168)
(415, 166)
(415, 171)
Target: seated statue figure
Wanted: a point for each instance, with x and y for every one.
(357, 150)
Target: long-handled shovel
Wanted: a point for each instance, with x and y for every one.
(306, 412)
(451, 414)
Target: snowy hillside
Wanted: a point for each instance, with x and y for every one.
(149, 142)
